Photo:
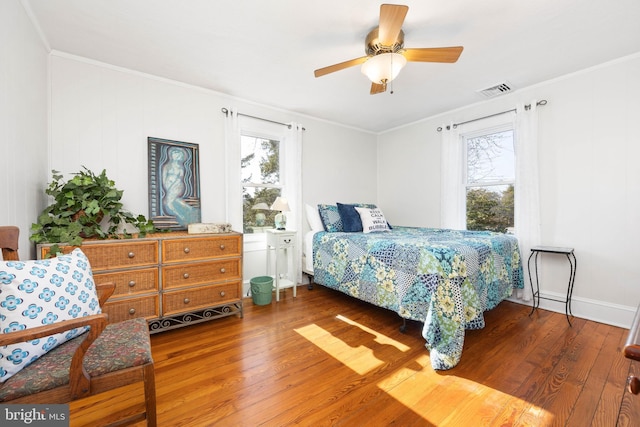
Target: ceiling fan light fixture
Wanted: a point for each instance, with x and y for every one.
(383, 67)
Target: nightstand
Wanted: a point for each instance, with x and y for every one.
(283, 243)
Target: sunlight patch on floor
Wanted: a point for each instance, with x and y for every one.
(447, 400)
(357, 355)
(359, 358)
(379, 338)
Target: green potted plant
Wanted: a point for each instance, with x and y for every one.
(80, 206)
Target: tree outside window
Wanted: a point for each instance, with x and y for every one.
(261, 182)
(490, 179)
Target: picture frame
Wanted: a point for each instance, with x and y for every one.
(174, 183)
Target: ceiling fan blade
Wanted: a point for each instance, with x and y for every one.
(378, 88)
(433, 54)
(391, 20)
(341, 66)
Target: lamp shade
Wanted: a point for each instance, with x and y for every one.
(280, 204)
(384, 67)
(261, 205)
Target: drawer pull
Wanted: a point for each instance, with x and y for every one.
(223, 270)
(287, 241)
(187, 300)
(222, 293)
(187, 250)
(131, 254)
(132, 283)
(633, 384)
(222, 247)
(185, 275)
(132, 311)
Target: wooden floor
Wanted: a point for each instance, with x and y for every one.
(324, 359)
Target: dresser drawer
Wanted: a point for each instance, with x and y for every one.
(130, 308)
(131, 282)
(201, 248)
(109, 256)
(176, 276)
(174, 302)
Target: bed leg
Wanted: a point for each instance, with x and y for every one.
(403, 328)
(310, 276)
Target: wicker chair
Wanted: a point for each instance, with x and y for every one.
(106, 357)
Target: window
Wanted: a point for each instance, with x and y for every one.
(261, 181)
(490, 179)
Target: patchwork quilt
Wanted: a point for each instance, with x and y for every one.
(444, 278)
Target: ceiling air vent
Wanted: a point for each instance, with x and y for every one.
(495, 90)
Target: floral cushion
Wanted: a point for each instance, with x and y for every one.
(121, 345)
(330, 218)
(41, 292)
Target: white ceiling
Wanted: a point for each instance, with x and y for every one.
(266, 51)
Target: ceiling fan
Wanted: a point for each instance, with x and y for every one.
(385, 51)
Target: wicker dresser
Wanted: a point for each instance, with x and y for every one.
(172, 279)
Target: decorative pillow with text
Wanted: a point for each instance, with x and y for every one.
(372, 220)
(41, 292)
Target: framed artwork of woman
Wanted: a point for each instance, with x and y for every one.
(174, 184)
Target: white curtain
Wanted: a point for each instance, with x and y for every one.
(452, 212)
(527, 188)
(291, 166)
(233, 172)
(292, 162)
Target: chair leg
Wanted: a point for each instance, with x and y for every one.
(150, 395)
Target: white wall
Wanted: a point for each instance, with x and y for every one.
(101, 117)
(590, 182)
(23, 121)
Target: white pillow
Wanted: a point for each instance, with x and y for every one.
(36, 293)
(372, 220)
(313, 218)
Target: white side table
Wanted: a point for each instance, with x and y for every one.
(283, 243)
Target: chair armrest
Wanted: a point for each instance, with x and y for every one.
(94, 321)
(105, 290)
(79, 381)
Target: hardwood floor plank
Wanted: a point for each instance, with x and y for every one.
(325, 359)
(611, 397)
(587, 403)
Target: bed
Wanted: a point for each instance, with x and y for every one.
(446, 279)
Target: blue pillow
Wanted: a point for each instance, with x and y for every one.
(351, 221)
(330, 218)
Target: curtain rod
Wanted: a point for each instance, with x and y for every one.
(225, 111)
(526, 107)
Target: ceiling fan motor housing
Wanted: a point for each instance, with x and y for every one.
(373, 46)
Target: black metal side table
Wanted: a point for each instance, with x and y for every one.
(573, 265)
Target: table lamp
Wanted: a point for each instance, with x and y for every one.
(281, 204)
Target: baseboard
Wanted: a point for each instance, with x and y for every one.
(597, 311)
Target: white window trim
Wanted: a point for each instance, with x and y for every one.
(259, 129)
(497, 125)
